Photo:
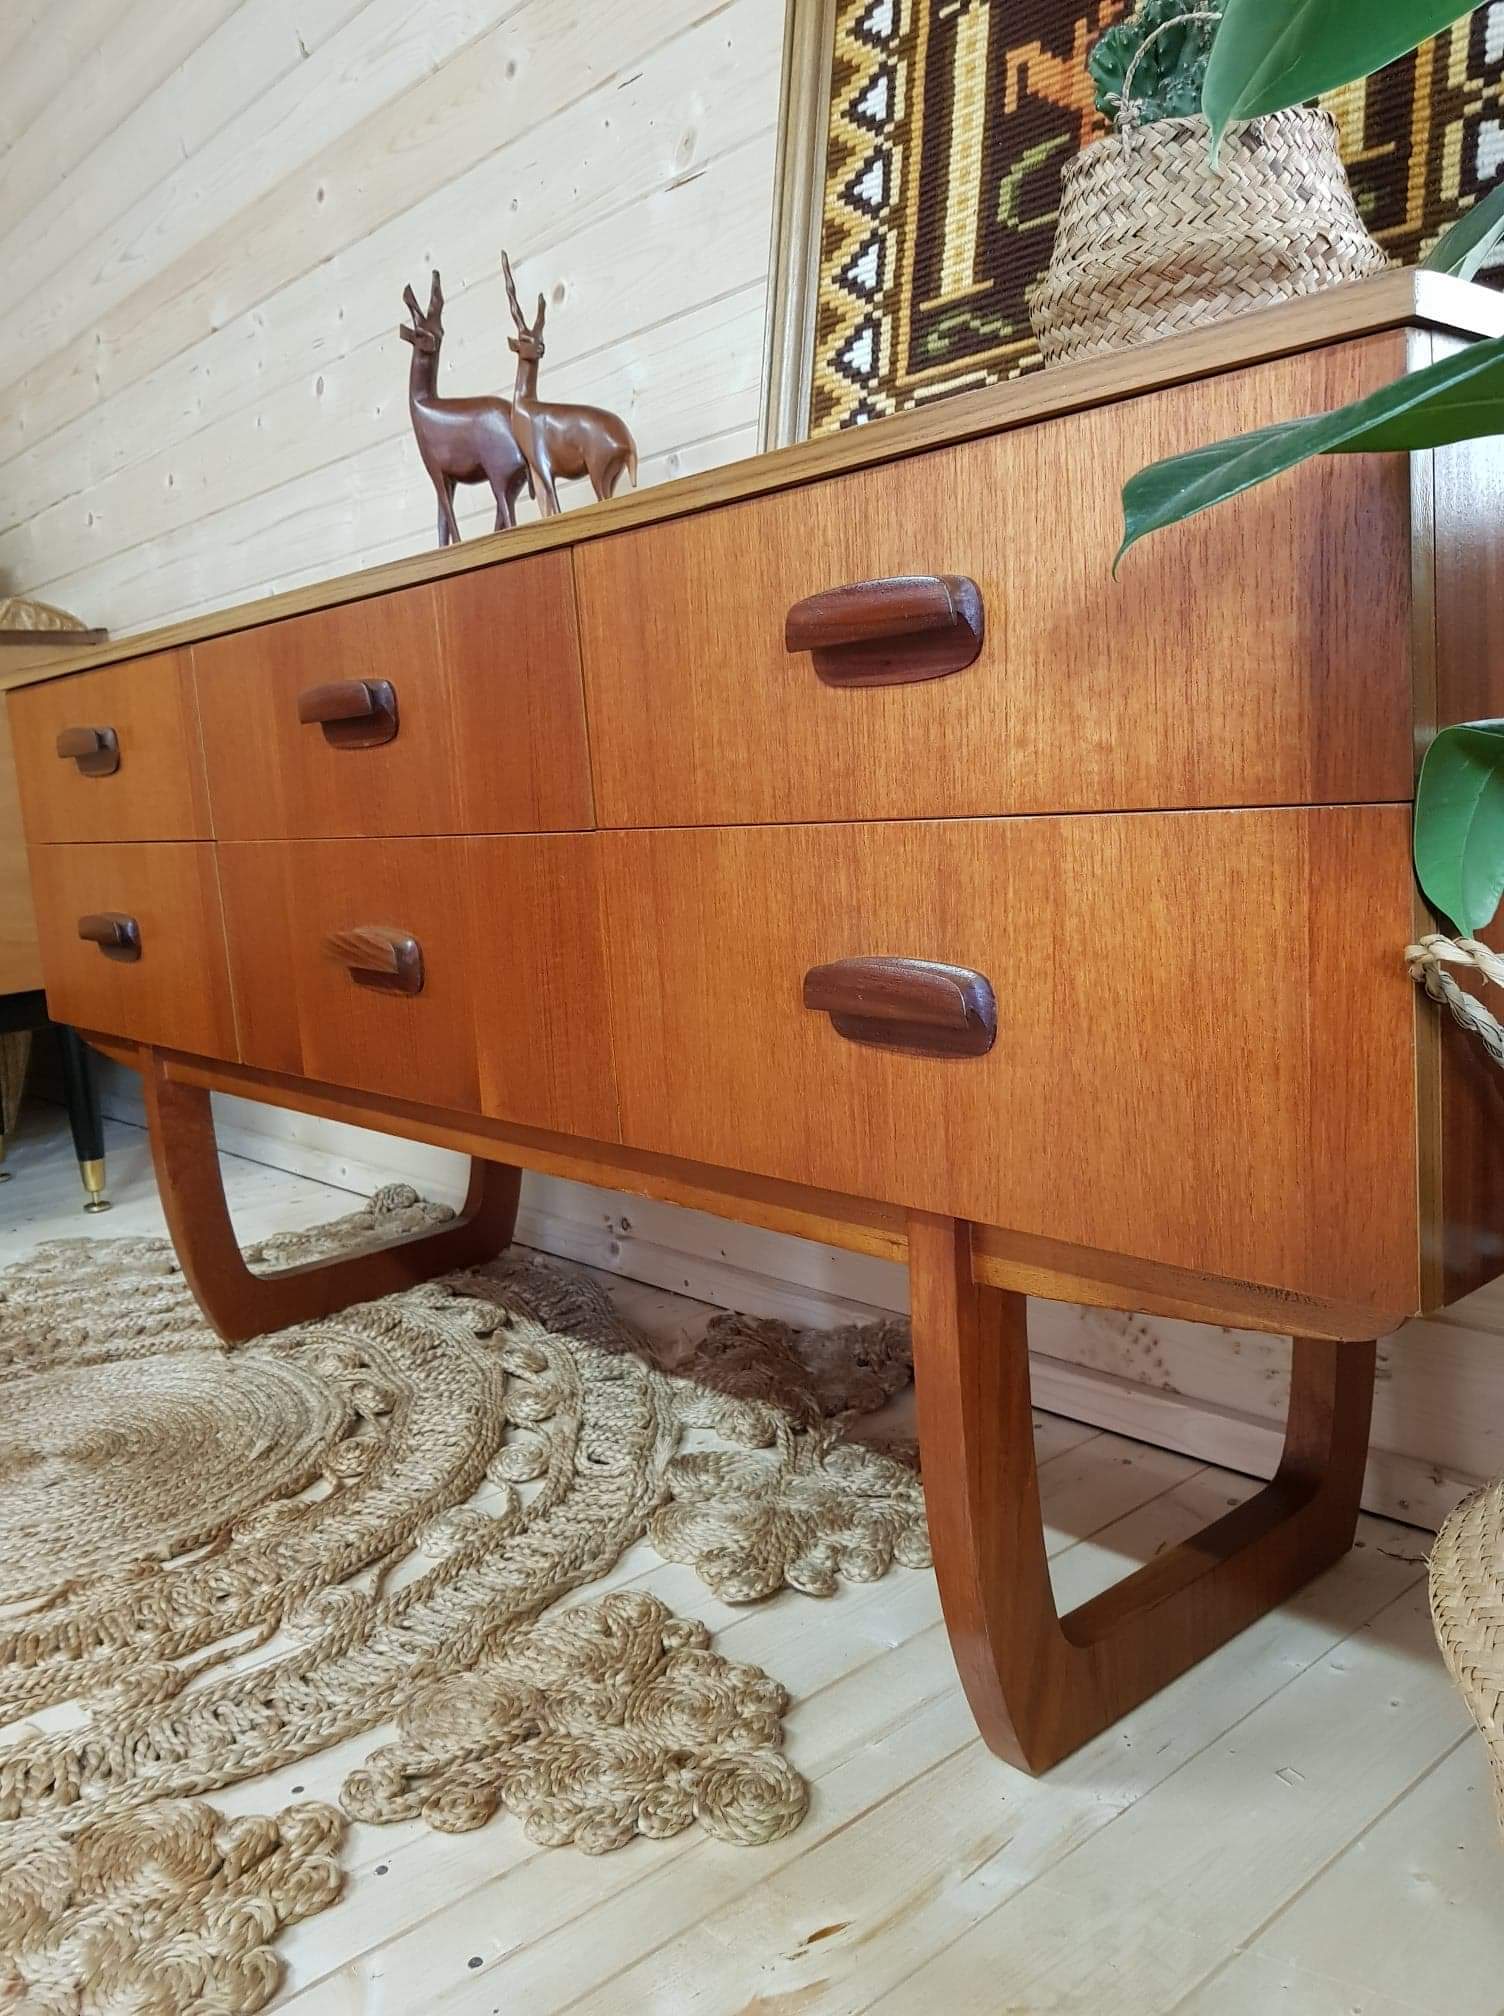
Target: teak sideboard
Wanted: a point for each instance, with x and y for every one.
(831, 843)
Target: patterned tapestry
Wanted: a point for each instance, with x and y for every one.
(950, 124)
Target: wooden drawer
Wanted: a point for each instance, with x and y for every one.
(20, 956)
(1258, 655)
(148, 786)
(490, 723)
(1205, 1046)
(510, 1018)
(175, 990)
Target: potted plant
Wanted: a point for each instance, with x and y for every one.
(1156, 235)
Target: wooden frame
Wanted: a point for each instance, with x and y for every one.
(798, 198)
(1039, 1685)
(241, 1304)
(1021, 1264)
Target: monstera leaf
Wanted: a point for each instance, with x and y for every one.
(1270, 54)
(1459, 824)
(1455, 400)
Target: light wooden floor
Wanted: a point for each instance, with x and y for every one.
(1299, 1828)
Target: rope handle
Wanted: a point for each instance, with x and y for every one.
(1427, 962)
(1127, 120)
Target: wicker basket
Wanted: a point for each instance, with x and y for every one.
(1153, 240)
(1467, 1606)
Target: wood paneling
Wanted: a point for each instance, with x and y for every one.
(1174, 1076)
(155, 487)
(1216, 670)
(511, 1018)
(158, 791)
(177, 993)
(405, 135)
(20, 956)
(491, 723)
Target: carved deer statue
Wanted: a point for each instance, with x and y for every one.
(460, 440)
(561, 441)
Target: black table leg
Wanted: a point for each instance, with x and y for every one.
(82, 1095)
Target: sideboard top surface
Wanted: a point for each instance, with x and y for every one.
(1402, 298)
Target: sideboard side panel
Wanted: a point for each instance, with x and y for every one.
(1466, 1213)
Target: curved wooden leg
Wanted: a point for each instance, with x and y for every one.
(240, 1304)
(1040, 1685)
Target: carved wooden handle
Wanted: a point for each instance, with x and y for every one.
(889, 633)
(376, 956)
(353, 713)
(907, 1004)
(96, 751)
(117, 936)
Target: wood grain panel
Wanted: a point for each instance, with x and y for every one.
(401, 105)
(627, 281)
(511, 1019)
(1175, 1076)
(1467, 1089)
(158, 791)
(491, 724)
(177, 993)
(535, 912)
(20, 955)
(1216, 670)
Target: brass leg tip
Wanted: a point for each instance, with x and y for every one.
(92, 1172)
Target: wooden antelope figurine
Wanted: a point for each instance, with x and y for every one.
(561, 441)
(460, 440)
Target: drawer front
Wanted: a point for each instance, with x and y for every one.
(137, 769)
(20, 956)
(1256, 655)
(467, 974)
(1204, 1050)
(478, 676)
(163, 979)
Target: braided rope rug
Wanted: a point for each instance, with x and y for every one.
(172, 1505)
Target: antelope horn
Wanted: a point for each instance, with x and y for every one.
(435, 295)
(412, 304)
(517, 316)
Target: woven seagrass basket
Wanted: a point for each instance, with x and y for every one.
(1467, 1607)
(1154, 240)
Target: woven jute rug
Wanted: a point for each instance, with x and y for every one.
(211, 1551)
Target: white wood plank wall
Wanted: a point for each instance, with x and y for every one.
(207, 217)
(208, 212)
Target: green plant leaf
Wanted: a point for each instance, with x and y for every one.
(1463, 249)
(1455, 400)
(1459, 824)
(1270, 54)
